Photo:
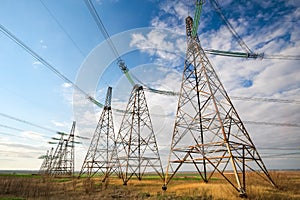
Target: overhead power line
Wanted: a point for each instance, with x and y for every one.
(125, 70)
(12, 128)
(13, 135)
(249, 53)
(279, 148)
(62, 28)
(238, 38)
(34, 125)
(39, 58)
(21, 136)
(271, 123)
(265, 99)
(20, 130)
(102, 28)
(48, 65)
(26, 122)
(121, 63)
(282, 57)
(105, 34)
(90, 98)
(286, 155)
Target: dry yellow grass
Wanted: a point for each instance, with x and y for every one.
(34, 187)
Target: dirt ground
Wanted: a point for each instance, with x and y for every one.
(187, 187)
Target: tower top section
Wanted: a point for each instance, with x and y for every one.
(108, 97)
(189, 26)
(137, 87)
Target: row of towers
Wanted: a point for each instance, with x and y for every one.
(61, 161)
(133, 151)
(208, 133)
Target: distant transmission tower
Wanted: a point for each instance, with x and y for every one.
(208, 131)
(63, 157)
(98, 158)
(44, 165)
(137, 150)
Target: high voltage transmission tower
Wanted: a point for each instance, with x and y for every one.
(98, 158)
(208, 132)
(62, 161)
(136, 147)
(46, 162)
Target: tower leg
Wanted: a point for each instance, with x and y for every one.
(242, 193)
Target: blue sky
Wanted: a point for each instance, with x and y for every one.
(150, 36)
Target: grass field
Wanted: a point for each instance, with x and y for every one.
(183, 187)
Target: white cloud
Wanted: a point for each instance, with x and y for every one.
(100, 2)
(269, 78)
(166, 46)
(43, 45)
(66, 85)
(33, 135)
(60, 124)
(15, 151)
(36, 64)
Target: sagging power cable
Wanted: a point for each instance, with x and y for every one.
(248, 52)
(48, 65)
(26, 122)
(120, 62)
(62, 28)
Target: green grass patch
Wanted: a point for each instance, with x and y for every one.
(98, 175)
(21, 175)
(61, 180)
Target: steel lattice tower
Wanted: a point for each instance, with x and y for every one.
(55, 164)
(136, 146)
(63, 157)
(208, 131)
(98, 158)
(46, 163)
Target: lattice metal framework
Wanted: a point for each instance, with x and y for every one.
(63, 158)
(208, 132)
(46, 163)
(98, 158)
(136, 147)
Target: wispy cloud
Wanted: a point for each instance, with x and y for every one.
(43, 45)
(66, 85)
(36, 64)
(100, 2)
(61, 124)
(33, 135)
(20, 150)
(166, 46)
